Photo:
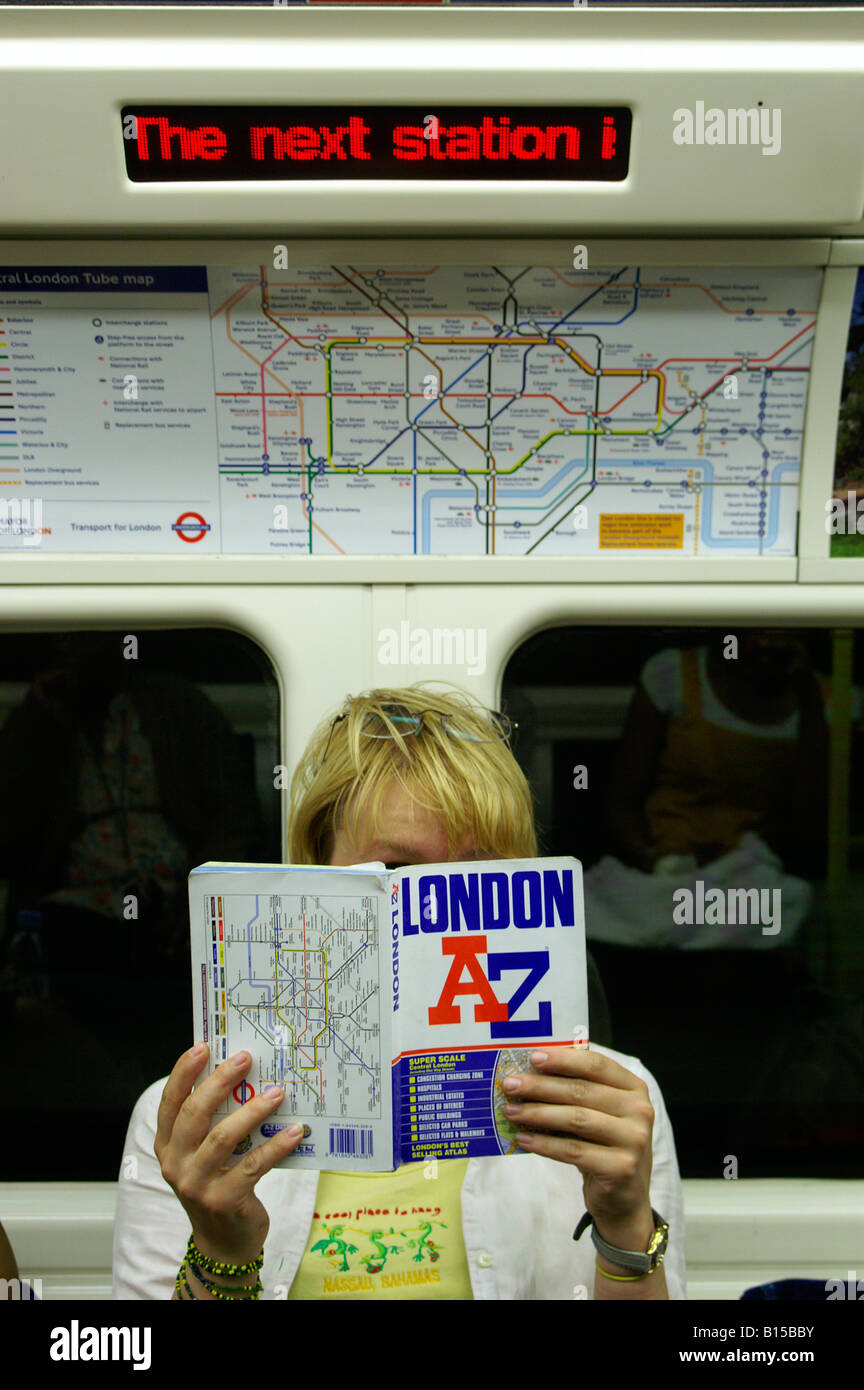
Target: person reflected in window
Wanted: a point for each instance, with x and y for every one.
(724, 753)
(115, 780)
(717, 819)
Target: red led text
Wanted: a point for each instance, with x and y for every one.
(489, 139)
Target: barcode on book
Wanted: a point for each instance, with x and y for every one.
(351, 1143)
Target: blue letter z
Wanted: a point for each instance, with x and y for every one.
(537, 965)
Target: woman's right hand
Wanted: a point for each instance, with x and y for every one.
(228, 1221)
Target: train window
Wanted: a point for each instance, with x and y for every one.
(710, 780)
(125, 759)
(846, 517)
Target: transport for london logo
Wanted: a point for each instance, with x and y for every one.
(191, 527)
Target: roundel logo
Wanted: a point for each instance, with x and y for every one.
(191, 527)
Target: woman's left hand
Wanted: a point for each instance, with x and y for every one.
(590, 1111)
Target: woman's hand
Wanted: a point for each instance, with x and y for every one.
(228, 1221)
(591, 1112)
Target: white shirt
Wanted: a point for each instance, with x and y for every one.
(662, 680)
(518, 1217)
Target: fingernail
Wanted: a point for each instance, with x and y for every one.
(239, 1059)
(512, 1084)
(538, 1058)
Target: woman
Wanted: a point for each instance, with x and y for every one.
(406, 776)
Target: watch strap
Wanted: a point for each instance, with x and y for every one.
(643, 1261)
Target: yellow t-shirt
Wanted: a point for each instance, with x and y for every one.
(387, 1235)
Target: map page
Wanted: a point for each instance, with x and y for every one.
(287, 966)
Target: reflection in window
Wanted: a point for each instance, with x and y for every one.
(124, 761)
(706, 779)
(846, 521)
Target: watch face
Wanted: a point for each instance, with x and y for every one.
(659, 1241)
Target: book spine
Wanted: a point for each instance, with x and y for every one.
(392, 1015)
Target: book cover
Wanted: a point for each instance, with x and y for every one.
(488, 963)
(389, 1005)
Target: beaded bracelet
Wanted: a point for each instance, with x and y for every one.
(220, 1291)
(181, 1274)
(198, 1262)
(194, 1256)
(226, 1290)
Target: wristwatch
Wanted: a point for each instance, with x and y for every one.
(645, 1262)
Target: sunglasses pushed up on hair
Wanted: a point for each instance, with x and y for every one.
(390, 720)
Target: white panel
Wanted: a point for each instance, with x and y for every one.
(111, 570)
(62, 1233)
(739, 1234)
(65, 75)
(530, 250)
(388, 613)
(850, 252)
(510, 616)
(841, 570)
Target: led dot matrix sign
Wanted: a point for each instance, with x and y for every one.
(184, 144)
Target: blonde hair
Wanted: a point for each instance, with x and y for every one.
(476, 788)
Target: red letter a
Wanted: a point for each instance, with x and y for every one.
(465, 950)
